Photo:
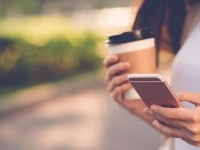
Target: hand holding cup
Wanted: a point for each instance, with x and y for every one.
(132, 52)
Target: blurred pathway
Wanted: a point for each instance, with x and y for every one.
(56, 117)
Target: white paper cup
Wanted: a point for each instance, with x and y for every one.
(131, 46)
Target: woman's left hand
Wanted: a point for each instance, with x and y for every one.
(181, 123)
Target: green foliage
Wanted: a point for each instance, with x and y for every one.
(19, 6)
(30, 7)
(22, 61)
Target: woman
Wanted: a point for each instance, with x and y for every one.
(181, 20)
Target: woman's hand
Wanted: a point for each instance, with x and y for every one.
(117, 85)
(116, 78)
(179, 122)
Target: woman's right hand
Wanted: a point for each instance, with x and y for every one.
(116, 78)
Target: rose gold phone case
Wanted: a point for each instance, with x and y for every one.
(153, 89)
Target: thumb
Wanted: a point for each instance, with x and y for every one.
(190, 97)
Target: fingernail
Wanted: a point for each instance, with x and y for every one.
(153, 107)
(114, 57)
(155, 123)
(146, 110)
(127, 65)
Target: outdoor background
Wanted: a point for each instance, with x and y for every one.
(52, 92)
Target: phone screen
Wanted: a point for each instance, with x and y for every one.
(153, 89)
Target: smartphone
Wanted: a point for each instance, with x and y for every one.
(154, 89)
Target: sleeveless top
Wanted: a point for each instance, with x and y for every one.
(186, 65)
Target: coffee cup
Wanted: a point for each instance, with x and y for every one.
(137, 48)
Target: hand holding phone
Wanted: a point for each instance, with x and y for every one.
(153, 89)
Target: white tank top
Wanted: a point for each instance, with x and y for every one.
(186, 65)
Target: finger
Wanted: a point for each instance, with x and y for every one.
(116, 69)
(125, 87)
(170, 122)
(109, 60)
(116, 81)
(192, 142)
(173, 122)
(118, 92)
(171, 131)
(190, 97)
(174, 113)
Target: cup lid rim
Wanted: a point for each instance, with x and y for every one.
(130, 36)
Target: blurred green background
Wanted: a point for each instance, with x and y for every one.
(47, 40)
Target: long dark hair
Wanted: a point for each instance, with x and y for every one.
(153, 14)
